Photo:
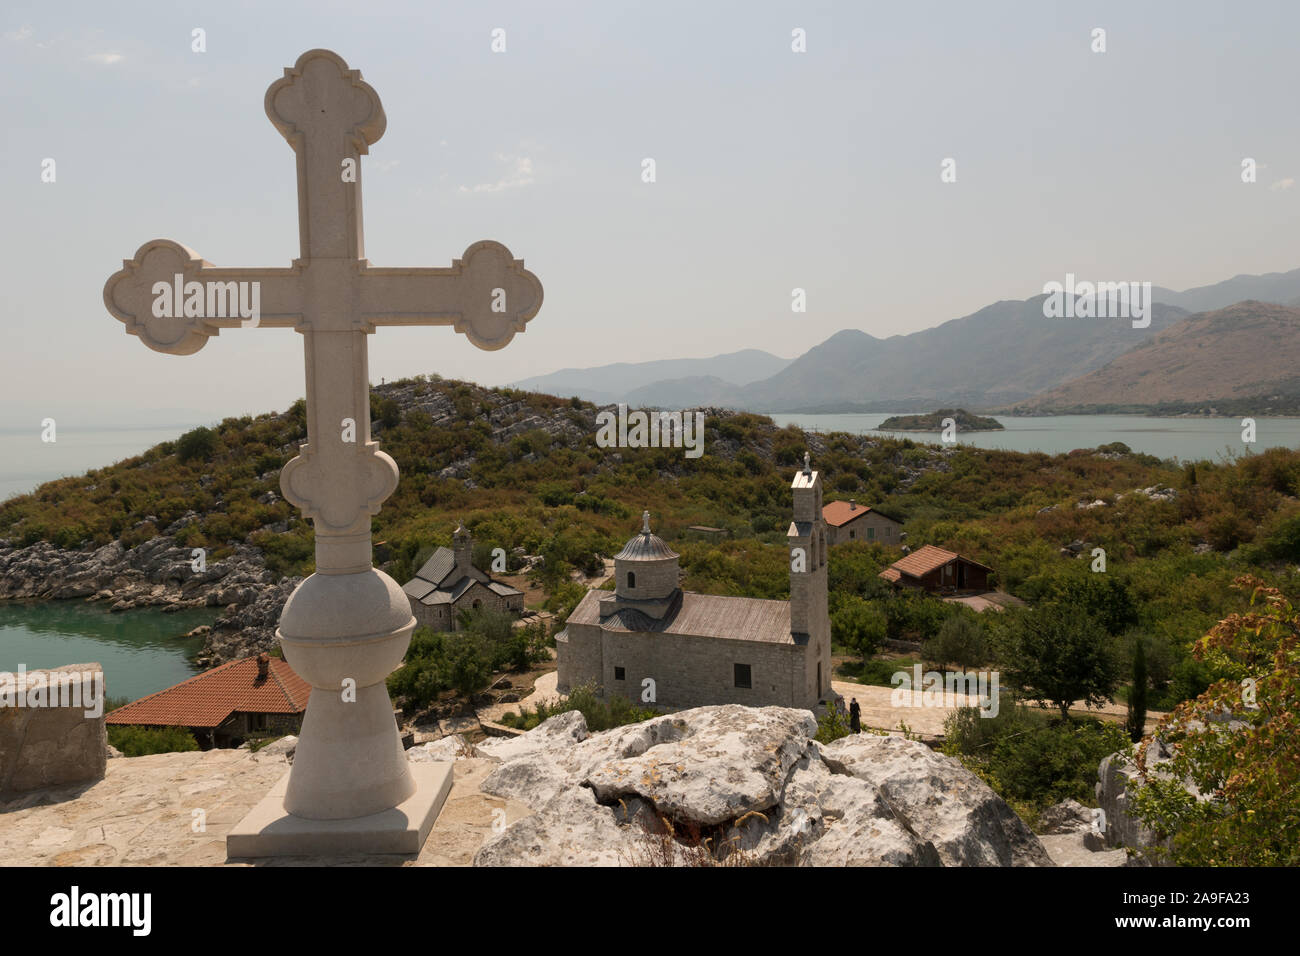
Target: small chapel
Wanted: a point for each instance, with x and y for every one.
(448, 583)
(652, 642)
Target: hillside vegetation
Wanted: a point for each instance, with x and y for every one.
(522, 470)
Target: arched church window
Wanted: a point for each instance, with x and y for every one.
(631, 579)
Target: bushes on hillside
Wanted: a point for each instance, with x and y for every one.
(142, 741)
(599, 713)
(199, 443)
(464, 660)
(1030, 758)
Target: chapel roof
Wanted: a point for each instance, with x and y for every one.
(439, 582)
(697, 615)
(645, 546)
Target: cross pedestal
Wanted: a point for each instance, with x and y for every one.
(347, 626)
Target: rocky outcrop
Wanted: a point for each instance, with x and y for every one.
(1068, 816)
(247, 629)
(731, 784)
(158, 573)
(43, 744)
(1118, 778)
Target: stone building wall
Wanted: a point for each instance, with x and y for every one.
(886, 531)
(688, 671)
(442, 617)
(654, 579)
(50, 746)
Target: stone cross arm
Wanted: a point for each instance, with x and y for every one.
(174, 301)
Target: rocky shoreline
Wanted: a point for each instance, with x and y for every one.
(158, 573)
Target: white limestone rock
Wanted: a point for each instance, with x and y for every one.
(1068, 816)
(756, 785)
(936, 796)
(559, 731)
(450, 748)
(752, 751)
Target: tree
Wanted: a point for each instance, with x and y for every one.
(196, 443)
(859, 625)
(1248, 771)
(960, 640)
(1059, 654)
(1101, 596)
(1137, 698)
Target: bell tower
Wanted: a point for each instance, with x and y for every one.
(810, 623)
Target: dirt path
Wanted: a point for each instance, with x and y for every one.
(880, 713)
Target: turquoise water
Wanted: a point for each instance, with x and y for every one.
(1188, 439)
(141, 651)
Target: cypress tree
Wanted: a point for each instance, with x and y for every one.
(1137, 698)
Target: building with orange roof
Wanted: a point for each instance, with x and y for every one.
(936, 569)
(225, 705)
(850, 521)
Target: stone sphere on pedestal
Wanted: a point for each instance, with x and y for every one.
(345, 633)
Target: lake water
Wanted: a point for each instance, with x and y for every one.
(1187, 439)
(141, 651)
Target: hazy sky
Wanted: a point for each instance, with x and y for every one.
(775, 170)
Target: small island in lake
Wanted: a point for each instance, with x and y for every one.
(933, 422)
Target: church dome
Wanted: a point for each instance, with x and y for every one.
(646, 547)
(646, 568)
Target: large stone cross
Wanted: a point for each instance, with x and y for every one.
(347, 621)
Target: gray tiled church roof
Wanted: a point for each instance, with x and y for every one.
(438, 566)
(645, 547)
(700, 615)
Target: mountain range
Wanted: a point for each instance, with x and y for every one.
(1250, 350)
(1006, 354)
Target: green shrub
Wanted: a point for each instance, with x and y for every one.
(877, 671)
(141, 741)
(1030, 757)
(599, 713)
(197, 443)
(960, 641)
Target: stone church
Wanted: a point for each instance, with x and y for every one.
(448, 583)
(700, 648)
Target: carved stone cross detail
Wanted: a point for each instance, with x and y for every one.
(334, 297)
(347, 622)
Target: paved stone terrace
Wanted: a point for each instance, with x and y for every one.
(141, 814)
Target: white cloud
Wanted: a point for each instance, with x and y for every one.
(521, 175)
(105, 59)
(1283, 184)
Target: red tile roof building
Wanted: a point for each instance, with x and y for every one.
(850, 521)
(936, 569)
(227, 703)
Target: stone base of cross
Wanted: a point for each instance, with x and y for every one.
(347, 626)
